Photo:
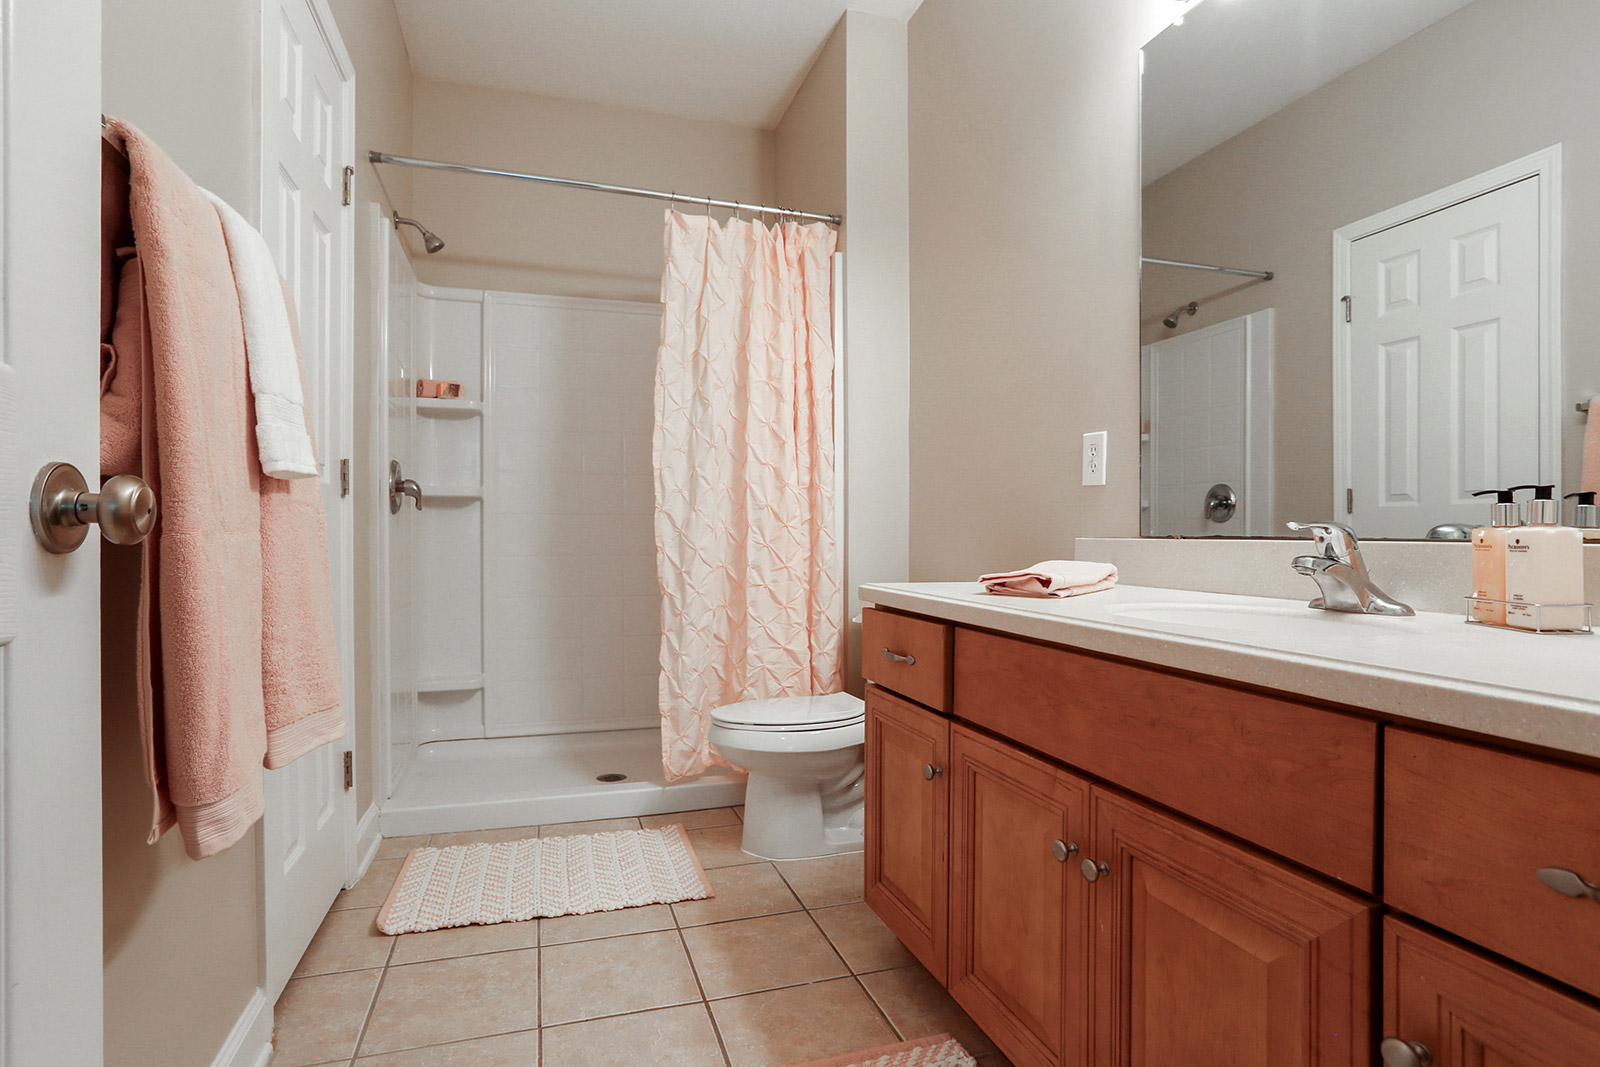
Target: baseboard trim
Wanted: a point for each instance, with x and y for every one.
(249, 1044)
(367, 841)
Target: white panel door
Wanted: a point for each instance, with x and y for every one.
(394, 395)
(1444, 363)
(307, 140)
(50, 879)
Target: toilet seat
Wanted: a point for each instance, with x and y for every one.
(791, 714)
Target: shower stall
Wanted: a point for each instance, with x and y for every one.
(516, 611)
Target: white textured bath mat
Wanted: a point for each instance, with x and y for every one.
(942, 1050)
(465, 885)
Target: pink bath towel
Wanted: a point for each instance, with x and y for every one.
(1053, 578)
(237, 660)
(1591, 448)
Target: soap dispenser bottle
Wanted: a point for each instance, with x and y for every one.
(1586, 515)
(1544, 567)
(1489, 557)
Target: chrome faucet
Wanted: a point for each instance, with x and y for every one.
(1341, 573)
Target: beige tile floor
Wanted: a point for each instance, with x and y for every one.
(784, 965)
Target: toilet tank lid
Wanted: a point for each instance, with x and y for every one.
(833, 709)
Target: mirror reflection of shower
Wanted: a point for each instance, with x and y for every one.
(1171, 321)
(431, 242)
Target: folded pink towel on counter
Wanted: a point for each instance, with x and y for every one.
(1053, 577)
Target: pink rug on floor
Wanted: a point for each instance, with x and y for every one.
(941, 1050)
(466, 885)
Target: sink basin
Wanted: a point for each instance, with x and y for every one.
(1212, 616)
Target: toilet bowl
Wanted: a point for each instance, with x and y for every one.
(805, 756)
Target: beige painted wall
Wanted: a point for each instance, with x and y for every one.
(521, 237)
(843, 146)
(181, 949)
(371, 32)
(1024, 278)
(1273, 195)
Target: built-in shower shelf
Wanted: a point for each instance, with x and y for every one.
(445, 409)
(454, 494)
(455, 683)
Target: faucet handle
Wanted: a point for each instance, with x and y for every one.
(1333, 539)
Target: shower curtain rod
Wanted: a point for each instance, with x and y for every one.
(599, 187)
(1264, 275)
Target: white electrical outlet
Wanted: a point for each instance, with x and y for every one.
(1094, 458)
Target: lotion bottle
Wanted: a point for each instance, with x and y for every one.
(1544, 567)
(1489, 557)
(1586, 515)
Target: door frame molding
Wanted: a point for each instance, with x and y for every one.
(1546, 166)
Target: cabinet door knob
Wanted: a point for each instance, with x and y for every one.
(1063, 851)
(1094, 870)
(1398, 1052)
(895, 657)
(930, 772)
(1568, 882)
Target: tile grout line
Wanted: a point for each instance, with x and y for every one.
(705, 1002)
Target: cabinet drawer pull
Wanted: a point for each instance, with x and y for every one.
(1398, 1052)
(1094, 870)
(930, 772)
(1063, 851)
(895, 657)
(1568, 882)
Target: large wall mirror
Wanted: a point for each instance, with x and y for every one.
(1390, 185)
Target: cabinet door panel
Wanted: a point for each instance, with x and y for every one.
(1210, 954)
(1470, 1011)
(1018, 963)
(908, 825)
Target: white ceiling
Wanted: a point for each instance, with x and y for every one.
(736, 61)
(1234, 62)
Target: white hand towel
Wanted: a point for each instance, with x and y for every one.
(281, 434)
(1053, 578)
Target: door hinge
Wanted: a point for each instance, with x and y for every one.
(349, 770)
(349, 184)
(1349, 501)
(344, 477)
(1346, 301)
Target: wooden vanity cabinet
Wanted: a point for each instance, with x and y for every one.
(1018, 946)
(1468, 1010)
(907, 831)
(1207, 953)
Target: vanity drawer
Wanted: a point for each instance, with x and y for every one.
(1297, 780)
(909, 655)
(1466, 828)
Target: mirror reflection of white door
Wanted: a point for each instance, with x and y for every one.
(393, 637)
(1443, 364)
(307, 110)
(1208, 405)
(50, 879)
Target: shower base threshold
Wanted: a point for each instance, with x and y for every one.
(496, 782)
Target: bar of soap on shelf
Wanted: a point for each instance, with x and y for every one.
(449, 390)
(427, 389)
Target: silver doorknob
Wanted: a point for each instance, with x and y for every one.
(62, 508)
(1094, 870)
(401, 486)
(1398, 1052)
(929, 771)
(1063, 851)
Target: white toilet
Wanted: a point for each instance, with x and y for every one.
(805, 756)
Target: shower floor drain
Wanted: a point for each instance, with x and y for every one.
(612, 777)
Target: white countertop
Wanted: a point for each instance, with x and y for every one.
(1543, 689)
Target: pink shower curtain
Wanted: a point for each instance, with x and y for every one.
(751, 598)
